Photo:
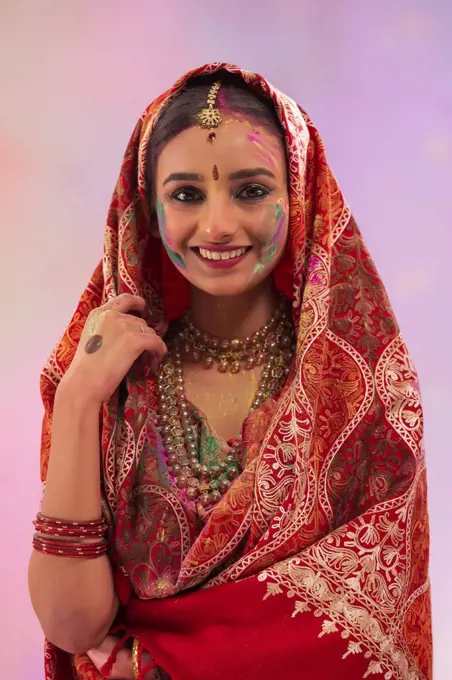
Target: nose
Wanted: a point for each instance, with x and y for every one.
(217, 223)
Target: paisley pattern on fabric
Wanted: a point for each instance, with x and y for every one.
(330, 510)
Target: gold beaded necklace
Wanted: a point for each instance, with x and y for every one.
(272, 347)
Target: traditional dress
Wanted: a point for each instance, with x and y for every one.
(314, 564)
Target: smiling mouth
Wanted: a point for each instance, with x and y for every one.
(222, 255)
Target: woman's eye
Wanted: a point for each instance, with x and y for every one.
(186, 195)
(253, 192)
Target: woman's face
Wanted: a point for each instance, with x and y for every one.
(222, 205)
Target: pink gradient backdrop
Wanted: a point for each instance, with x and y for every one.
(74, 79)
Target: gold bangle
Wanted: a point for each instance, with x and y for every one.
(135, 663)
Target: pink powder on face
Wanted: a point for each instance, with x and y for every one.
(262, 149)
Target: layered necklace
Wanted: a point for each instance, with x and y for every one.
(271, 347)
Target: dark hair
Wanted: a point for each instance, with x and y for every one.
(234, 96)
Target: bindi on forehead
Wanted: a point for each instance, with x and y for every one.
(215, 173)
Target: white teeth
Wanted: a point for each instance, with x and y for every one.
(216, 255)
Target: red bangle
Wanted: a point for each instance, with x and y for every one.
(56, 527)
(62, 548)
(66, 532)
(96, 523)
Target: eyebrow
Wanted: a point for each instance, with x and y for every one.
(239, 174)
(183, 176)
(251, 172)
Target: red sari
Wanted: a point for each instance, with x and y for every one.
(314, 565)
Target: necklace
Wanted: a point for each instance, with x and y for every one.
(233, 355)
(272, 347)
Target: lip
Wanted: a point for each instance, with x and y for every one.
(222, 264)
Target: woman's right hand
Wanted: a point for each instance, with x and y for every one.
(113, 338)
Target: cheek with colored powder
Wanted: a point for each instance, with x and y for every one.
(276, 235)
(175, 258)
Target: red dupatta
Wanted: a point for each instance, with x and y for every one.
(315, 563)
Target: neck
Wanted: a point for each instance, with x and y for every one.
(235, 316)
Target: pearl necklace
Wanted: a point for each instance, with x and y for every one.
(271, 347)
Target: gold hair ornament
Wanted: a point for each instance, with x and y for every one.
(211, 117)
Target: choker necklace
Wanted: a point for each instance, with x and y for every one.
(230, 356)
(272, 348)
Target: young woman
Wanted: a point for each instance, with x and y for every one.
(232, 445)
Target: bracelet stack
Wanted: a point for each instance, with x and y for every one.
(70, 539)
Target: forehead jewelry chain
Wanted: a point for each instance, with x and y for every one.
(210, 117)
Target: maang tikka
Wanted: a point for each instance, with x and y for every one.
(210, 118)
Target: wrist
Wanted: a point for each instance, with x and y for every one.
(72, 395)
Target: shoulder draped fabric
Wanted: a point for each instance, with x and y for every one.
(315, 563)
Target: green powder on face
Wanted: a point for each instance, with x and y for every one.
(175, 258)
